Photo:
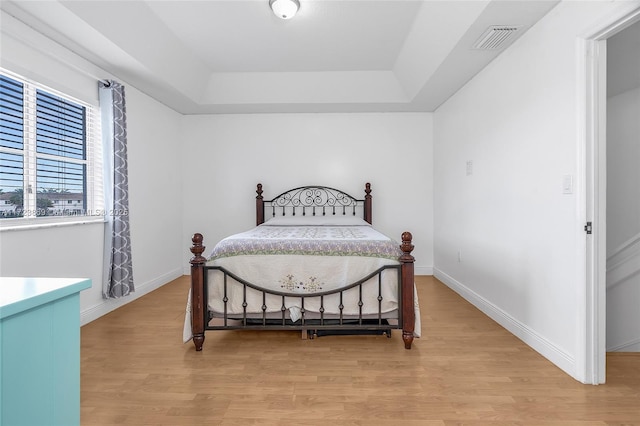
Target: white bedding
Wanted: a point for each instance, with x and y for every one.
(284, 255)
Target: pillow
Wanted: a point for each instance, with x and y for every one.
(319, 220)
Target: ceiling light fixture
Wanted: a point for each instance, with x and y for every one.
(284, 9)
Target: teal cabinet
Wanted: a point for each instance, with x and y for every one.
(40, 351)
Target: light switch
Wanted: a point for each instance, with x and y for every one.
(469, 168)
(567, 184)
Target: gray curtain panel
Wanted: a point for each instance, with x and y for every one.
(118, 271)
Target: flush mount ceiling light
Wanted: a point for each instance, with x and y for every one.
(284, 9)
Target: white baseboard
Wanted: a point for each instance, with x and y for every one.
(423, 270)
(624, 263)
(540, 344)
(108, 305)
(631, 346)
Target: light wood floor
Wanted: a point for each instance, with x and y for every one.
(465, 369)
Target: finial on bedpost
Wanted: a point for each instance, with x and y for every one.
(197, 249)
(367, 203)
(197, 291)
(408, 308)
(259, 206)
(407, 247)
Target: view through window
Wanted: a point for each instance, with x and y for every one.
(47, 153)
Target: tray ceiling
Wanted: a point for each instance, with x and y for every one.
(237, 57)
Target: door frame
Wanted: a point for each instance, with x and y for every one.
(592, 92)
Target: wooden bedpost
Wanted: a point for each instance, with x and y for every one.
(367, 203)
(198, 304)
(259, 206)
(408, 309)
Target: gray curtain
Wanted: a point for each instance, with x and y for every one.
(118, 271)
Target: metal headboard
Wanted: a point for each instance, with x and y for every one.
(313, 200)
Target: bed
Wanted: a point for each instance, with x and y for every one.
(312, 263)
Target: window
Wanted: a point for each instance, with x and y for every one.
(49, 152)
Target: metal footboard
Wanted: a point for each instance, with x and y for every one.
(310, 321)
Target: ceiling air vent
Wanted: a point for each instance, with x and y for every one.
(495, 37)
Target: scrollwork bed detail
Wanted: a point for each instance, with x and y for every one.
(305, 201)
(313, 200)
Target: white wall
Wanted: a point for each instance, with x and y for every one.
(623, 221)
(227, 155)
(155, 183)
(519, 237)
(623, 173)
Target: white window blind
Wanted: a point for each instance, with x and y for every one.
(50, 153)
